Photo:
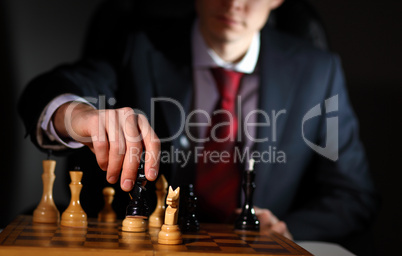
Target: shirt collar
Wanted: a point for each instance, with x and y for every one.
(205, 57)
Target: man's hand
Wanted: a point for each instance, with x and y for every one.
(117, 137)
(268, 221)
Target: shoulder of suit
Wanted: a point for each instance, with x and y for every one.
(291, 46)
(166, 35)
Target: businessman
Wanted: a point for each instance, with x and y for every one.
(225, 83)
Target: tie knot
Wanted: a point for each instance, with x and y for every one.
(227, 81)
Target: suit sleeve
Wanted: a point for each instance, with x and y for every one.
(93, 76)
(89, 79)
(341, 198)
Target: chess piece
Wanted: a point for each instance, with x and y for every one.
(189, 221)
(170, 231)
(247, 219)
(107, 214)
(46, 211)
(156, 218)
(137, 211)
(74, 215)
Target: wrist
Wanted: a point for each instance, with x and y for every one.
(65, 114)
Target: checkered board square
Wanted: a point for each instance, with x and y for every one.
(22, 236)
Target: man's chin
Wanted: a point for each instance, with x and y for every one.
(228, 36)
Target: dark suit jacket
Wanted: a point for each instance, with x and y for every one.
(318, 198)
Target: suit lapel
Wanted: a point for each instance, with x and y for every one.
(173, 87)
(277, 90)
(173, 84)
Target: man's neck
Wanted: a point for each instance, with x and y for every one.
(229, 51)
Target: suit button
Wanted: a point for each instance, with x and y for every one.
(184, 143)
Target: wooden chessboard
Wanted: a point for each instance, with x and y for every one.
(22, 237)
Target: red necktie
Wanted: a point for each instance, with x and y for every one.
(218, 178)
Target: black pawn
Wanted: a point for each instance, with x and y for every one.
(188, 206)
(138, 205)
(247, 219)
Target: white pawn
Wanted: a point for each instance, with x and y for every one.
(156, 218)
(107, 214)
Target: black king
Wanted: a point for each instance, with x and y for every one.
(247, 219)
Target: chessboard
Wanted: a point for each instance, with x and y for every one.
(22, 237)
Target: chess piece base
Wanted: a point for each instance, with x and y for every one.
(46, 215)
(247, 221)
(109, 218)
(250, 227)
(190, 225)
(107, 215)
(170, 234)
(134, 224)
(75, 220)
(156, 221)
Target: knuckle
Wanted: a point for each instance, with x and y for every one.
(93, 116)
(102, 164)
(135, 145)
(113, 173)
(127, 110)
(130, 168)
(285, 227)
(157, 141)
(281, 227)
(100, 145)
(157, 145)
(129, 171)
(142, 117)
(265, 212)
(114, 147)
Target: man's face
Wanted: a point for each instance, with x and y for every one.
(231, 20)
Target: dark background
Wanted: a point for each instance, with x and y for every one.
(37, 35)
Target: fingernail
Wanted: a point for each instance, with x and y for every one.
(128, 184)
(152, 174)
(112, 179)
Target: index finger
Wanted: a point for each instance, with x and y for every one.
(152, 148)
